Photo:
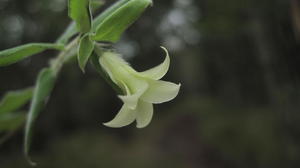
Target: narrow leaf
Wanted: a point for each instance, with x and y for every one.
(96, 4)
(85, 49)
(14, 100)
(44, 85)
(13, 55)
(119, 20)
(107, 12)
(79, 11)
(11, 121)
(71, 30)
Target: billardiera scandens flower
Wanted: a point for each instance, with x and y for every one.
(140, 89)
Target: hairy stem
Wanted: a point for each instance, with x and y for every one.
(64, 56)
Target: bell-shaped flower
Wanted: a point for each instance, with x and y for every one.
(140, 89)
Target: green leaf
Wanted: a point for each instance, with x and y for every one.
(85, 49)
(14, 100)
(71, 30)
(44, 85)
(11, 121)
(96, 4)
(120, 19)
(13, 55)
(79, 11)
(107, 12)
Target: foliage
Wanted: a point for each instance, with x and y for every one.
(90, 34)
(10, 118)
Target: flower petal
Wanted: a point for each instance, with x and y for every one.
(125, 117)
(159, 71)
(132, 99)
(160, 91)
(144, 114)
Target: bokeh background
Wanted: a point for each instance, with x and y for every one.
(239, 65)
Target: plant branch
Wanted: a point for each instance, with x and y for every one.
(65, 55)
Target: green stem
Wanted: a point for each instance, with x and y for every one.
(57, 63)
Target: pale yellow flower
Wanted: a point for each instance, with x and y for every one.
(141, 89)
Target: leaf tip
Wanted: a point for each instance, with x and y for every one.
(81, 62)
(29, 160)
(82, 68)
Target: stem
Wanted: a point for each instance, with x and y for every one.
(65, 55)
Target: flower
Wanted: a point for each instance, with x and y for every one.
(140, 89)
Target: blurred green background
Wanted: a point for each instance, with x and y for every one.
(239, 65)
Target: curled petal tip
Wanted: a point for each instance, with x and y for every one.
(161, 91)
(140, 126)
(113, 124)
(177, 89)
(165, 49)
(159, 71)
(124, 117)
(108, 124)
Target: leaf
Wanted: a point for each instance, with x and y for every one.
(107, 12)
(71, 30)
(119, 20)
(96, 4)
(14, 100)
(11, 121)
(85, 49)
(44, 85)
(13, 55)
(79, 11)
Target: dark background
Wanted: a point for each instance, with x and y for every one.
(238, 62)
